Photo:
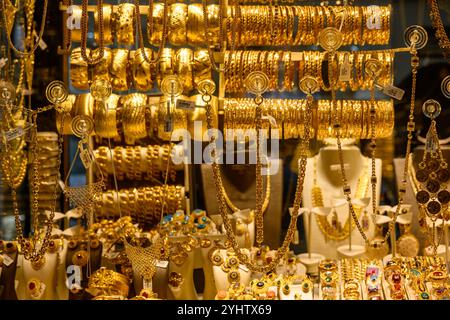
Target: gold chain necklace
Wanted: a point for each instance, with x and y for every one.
(30, 249)
(440, 33)
(41, 31)
(266, 202)
(84, 31)
(206, 88)
(150, 26)
(416, 38)
(415, 184)
(329, 230)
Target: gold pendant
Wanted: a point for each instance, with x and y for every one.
(38, 264)
(377, 248)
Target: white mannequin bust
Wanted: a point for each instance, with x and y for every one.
(328, 175)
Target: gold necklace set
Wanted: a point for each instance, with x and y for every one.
(335, 231)
(415, 38)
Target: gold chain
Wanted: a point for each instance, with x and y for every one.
(41, 31)
(139, 30)
(440, 33)
(280, 253)
(84, 32)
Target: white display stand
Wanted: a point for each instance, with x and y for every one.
(311, 260)
(52, 274)
(186, 291)
(329, 179)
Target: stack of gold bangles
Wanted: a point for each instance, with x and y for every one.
(351, 276)
(104, 282)
(135, 116)
(354, 116)
(137, 163)
(283, 65)
(328, 279)
(301, 25)
(126, 69)
(144, 205)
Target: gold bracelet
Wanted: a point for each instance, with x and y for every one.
(133, 116)
(183, 67)
(79, 70)
(177, 24)
(141, 70)
(124, 23)
(104, 116)
(155, 27)
(118, 70)
(107, 25)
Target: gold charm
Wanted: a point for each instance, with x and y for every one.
(101, 89)
(377, 248)
(80, 258)
(445, 87)
(416, 36)
(82, 126)
(257, 82)
(330, 39)
(56, 93)
(38, 264)
(171, 86)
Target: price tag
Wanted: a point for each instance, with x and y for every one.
(344, 70)
(7, 261)
(86, 155)
(41, 43)
(393, 92)
(243, 268)
(147, 284)
(185, 105)
(296, 56)
(162, 264)
(17, 132)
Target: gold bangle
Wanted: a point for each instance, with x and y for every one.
(104, 116)
(183, 67)
(155, 24)
(107, 25)
(118, 70)
(201, 66)
(177, 24)
(133, 115)
(79, 70)
(195, 25)
(101, 70)
(124, 24)
(141, 70)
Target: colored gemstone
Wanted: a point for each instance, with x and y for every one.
(424, 296)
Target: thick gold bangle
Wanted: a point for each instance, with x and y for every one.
(101, 70)
(124, 24)
(155, 24)
(201, 66)
(213, 23)
(107, 25)
(183, 67)
(166, 64)
(104, 115)
(79, 70)
(141, 70)
(118, 70)
(133, 115)
(177, 24)
(195, 25)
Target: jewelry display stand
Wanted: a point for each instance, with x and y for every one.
(50, 274)
(186, 291)
(246, 199)
(311, 260)
(350, 250)
(330, 181)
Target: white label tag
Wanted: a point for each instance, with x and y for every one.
(147, 284)
(87, 156)
(393, 92)
(243, 268)
(336, 167)
(185, 105)
(296, 56)
(344, 70)
(41, 43)
(7, 261)
(162, 264)
(17, 132)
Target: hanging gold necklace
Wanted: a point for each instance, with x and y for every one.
(8, 24)
(415, 38)
(266, 202)
(99, 53)
(439, 28)
(257, 82)
(332, 231)
(34, 249)
(150, 26)
(207, 40)
(431, 179)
